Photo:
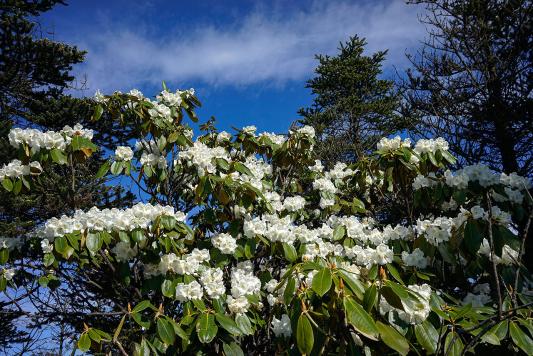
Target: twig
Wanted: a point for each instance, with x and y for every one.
(494, 268)
(119, 345)
(522, 247)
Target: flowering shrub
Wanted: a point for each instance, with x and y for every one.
(249, 240)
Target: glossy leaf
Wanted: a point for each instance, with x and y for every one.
(427, 336)
(304, 335)
(393, 338)
(321, 283)
(520, 338)
(360, 319)
(206, 328)
(228, 324)
(165, 331)
(84, 343)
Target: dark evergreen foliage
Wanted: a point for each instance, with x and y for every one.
(353, 108)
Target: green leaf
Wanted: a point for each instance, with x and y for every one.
(222, 163)
(427, 336)
(500, 330)
(116, 167)
(456, 347)
(7, 184)
(520, 338)
(232, 349)
(339, 232)
(123, 236)
(490, 338)
(94, 242)
(58, 156)
(370, 298)
(393, 338)
(353, 283)
(168, 288)
(178, 330)
(102, 171)
(60, 244)
(138, 235)
(95, 336)
(228, 324)
(358, 206)
(373, 272)
(143, 349)
(173, 137)
(472, 237)
(241, 168)
(289, 290)
(4, 255)
(244, 324)
(165, 331)
(118, 329)
(17, 186)
(432, 159)
(3, 283)
(145, 304)
(304, 335)
(391, 297)
(138, 319)
(322, 281)
(98, 110)
(84, 343)
(290, 252)
(360, 319)
(48, 259)
(394, 273)
(448, 156)
(206, 328)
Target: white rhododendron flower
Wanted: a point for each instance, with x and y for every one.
(190, 291)
(213, 281)
(239, 305)
(124, 252)
(8, 274)
(123, 153)
(386, 144)
(225, 243)
(415, 258)
(282, 326)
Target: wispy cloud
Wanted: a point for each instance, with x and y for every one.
(263, 47)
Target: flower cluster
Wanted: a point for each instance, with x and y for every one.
(187, 264)
(225, 243)
(431, 145)
(514, 185)
(37, 140)
(282, 326)
(480, 297)
(509, 256)
(416, 258)
(412, 313)
(387, 145)
(437, 230)
(151, 155)
(15, 169)
(123, 153)
(139, 216)
(122, 250)
(203, 157)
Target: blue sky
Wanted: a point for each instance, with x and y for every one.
(248, 60)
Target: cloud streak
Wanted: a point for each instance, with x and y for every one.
(263, 47)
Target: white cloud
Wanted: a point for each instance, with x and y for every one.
(264, 47)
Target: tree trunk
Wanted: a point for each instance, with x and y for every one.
(506, 145)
